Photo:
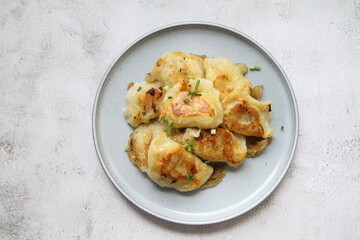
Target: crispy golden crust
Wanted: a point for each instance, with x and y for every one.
(170, 165)
(143, 103)
(186, 110)
(196, 107)
(201, 95)
(251, 126)
(244, 114)
(139, 143)
(174, 67)
(226, 76)
(224, 146)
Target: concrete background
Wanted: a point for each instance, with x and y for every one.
(52, 57)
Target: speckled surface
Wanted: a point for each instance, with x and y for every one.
(52, 57)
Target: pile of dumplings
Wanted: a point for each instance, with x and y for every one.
(193, 115)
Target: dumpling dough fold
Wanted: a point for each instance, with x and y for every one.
(170, 165)
(184, 110)
(143, 102)
(246, 115)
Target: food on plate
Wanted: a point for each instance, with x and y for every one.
(256, 92)
(143, 102)
(243, 68)
(255, 145)
(194, 117)
(192, 103)
(246, 115)
(216, 177)
(171, 165)
(175, 67)
(224, 146)
(226, 76)
(139, 143)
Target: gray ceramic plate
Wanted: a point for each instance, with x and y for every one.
(242, 188)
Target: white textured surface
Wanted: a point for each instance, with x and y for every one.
(52, 57)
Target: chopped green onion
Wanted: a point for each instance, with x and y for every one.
(169, 129)
(190, 176)
(255, 68)
(190, 149)
(186, 100)
(126, 148)
(188, 145)
(169, 97)
(166, 88)
(282, 128)
(197, 86)
(169, 126)
(213, 131)
(195, 89)
(139, 89)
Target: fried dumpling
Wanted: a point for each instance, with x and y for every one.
(226, 76)
(143, 102)
(170, 165)
(174, 67)
(223, 146)
(184, 109)
(246, 115)
(139, 143)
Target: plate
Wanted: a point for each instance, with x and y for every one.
(242, 188)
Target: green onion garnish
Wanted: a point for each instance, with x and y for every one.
(188, 145)
(169, 129)
(255, 68)
(195, 90)
(139, 89)
(186, 100)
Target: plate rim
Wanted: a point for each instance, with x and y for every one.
(199, 24)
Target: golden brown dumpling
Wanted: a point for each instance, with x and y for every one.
(174, 67)
(244, 114)
(186, 110)
(223, 146)
(170, 165)
(139, 143)
(226, 76)
(143, 102)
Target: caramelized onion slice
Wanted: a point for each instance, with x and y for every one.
(243, 68)
(256, 92)
(216, 177)
(256, 145)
